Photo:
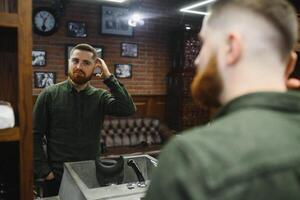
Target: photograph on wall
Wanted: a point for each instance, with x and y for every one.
(114, 21)
(68, 49)
(38, 58)
(123, 70)
(76, 29)
(44, 79)
(129, 50)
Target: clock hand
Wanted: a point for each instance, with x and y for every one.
(44, 26)
(44, 22)
(47, 17)
(42, 16)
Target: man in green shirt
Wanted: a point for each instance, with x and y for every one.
(70, 115)
(251, 149)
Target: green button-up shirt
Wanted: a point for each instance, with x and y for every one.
(71, 122)
(250, 151)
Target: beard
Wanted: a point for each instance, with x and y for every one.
(207, 86)
(79, 77)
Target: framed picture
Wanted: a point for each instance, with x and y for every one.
(129, 50)
(44, 79)
(114, 21)
(123, 70)
(38, 58)
(68, 49)
(76, 29)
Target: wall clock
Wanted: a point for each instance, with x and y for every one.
(45, 21)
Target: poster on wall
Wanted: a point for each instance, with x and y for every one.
(76, 29)
(44, 79)
(114, 21)
(123, 70)
(38, 58)
(129, 50)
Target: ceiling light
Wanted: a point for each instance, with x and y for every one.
(187, 27)
(136, 19)
(191, 8)
(116, 1)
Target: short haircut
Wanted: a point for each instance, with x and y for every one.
(85, 47)
(279, 13)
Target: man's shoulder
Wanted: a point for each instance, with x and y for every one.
(245, 133)
(58, 86)
(53, 90)
(95, 91)
(232, 148)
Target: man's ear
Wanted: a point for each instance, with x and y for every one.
(234, 48)
(290, 64)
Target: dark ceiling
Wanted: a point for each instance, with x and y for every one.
(180, 3)
(174, 4)
(296, 3)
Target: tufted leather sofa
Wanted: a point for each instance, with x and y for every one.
(133, 136)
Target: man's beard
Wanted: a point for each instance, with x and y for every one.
(207, 85)
(79, 77)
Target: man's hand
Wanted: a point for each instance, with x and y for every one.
(50, 176)
(293, 83)
(104, 69)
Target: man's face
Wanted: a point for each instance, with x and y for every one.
(207, 84)
(81, 66)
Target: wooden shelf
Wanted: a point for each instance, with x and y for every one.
(9, 19)
(10, 134)
(15, 58)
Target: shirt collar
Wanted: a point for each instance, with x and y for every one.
(71, 87)
(284, 101)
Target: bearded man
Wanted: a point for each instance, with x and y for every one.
(251, 149)
(70, 115)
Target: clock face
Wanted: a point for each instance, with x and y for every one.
(44, 21)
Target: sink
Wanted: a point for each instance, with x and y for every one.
(79, 181)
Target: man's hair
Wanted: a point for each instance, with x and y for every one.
(279, 13)
(85, 47)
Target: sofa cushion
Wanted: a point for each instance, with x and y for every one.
(130, 132)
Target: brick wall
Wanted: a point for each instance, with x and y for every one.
(155, 53)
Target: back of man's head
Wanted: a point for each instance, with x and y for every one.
(280, 14)
(247, 47)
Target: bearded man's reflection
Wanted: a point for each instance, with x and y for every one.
(70, 115)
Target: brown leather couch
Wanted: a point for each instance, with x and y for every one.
(133, 136)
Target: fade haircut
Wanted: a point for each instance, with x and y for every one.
(85, 47)
(279, 13)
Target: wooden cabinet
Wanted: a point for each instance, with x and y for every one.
(181, 111)
(16, 148)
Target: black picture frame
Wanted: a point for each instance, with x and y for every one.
(44, 79)
(123, 70)
(68, 48)
(114, 21)
(39, 58)
(129, 49)
(77, 29)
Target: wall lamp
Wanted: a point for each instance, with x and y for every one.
(116, 1)
(136, 20)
